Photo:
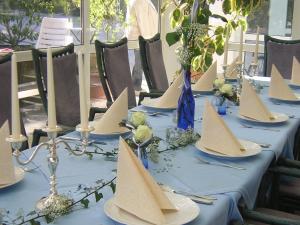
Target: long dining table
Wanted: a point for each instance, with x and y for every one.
(180, 169)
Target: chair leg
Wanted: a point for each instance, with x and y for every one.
(37, 134)
(141, 98)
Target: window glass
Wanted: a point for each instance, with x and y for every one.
(275, 19)
(24, 24)
(114, 19)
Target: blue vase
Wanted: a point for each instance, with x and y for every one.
(186, 104)
(222, 110)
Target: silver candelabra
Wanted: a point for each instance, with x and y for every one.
(53, 201)
(254, 72)
(224, 70)
(239, 68)
(253, 69)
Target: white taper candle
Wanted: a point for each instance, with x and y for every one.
(15, 108)
(226, 47)
(51, 92)
(82, 93)
(241, 45)
(255, 58)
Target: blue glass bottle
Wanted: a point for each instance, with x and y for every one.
(186, 104)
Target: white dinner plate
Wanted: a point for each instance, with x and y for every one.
(19, 175)
(279, 118)
(296, 86)
(291, 101)
(123, 131)
(151, 103)
(187, 212)
(252, 149)
(209, 92)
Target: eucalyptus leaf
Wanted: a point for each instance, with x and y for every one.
(223, 18)
(113, 187)
(196, 63)
(172, 38)
(34, 222)
(208, 59)
(85, 203)
(220, 49)
(176, 14)
(98, 196)
(219, 30)
(226, 6)
(49, 219)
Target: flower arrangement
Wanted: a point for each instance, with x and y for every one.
(225, 91)
(142, 133)
(200, 39)
(140, 129)
(138, 118)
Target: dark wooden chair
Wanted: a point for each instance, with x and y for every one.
(5, 95)
(280, 53)
(66, 88)
(286, 185)
(265, 216)
(153, 63)
(273, 204)
(114, 72)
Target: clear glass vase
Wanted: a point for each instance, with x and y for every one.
(221, 105)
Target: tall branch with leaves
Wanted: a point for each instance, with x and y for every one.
(199, 39)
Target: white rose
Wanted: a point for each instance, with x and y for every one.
(142, 133)
(227, 89)
(219, 82)
(138, 118)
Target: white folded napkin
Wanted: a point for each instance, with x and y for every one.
(206, 81)
(231, 71)
(170, 98)
(7, 170)
(251, 105)
(279, 88)
(296, 72)
(109, 122)
(216, 136)
(136, 191)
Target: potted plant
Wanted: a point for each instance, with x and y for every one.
(199, 40)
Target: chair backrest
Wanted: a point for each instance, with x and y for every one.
(65, 73)
(280, 53)
(54, 32)
(153, 63)
(5, 95)
(114, 70)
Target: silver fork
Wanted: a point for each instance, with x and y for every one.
(220, 164)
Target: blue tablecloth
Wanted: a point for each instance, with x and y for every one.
(179, 169)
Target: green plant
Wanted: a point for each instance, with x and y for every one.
(109, 14)
(199, 39)
(19, 20)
